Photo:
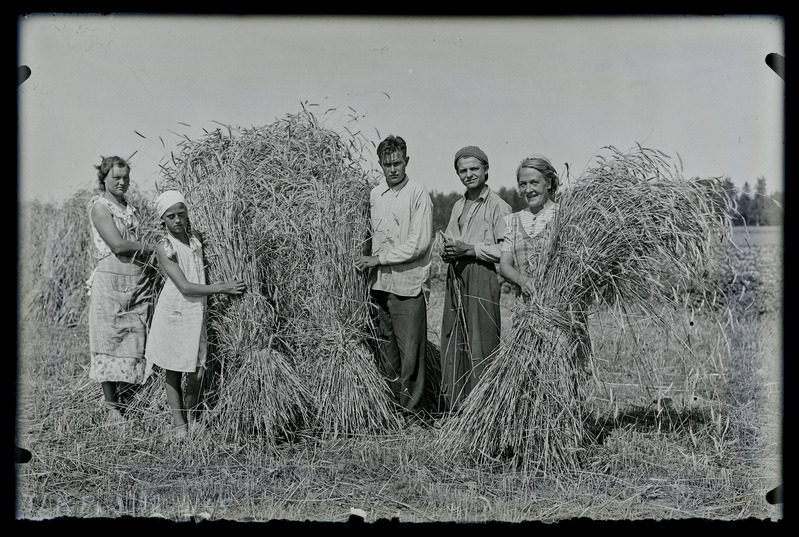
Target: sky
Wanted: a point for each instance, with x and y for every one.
(695, 87)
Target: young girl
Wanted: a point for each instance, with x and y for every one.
(177, 338)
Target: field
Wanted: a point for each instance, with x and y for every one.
(697, 435)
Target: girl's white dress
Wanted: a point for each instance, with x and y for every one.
(177, 339)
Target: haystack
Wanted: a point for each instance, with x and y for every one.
(632, 235)
(285, 207)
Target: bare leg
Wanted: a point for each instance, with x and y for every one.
(110, 394)
(194, 383)
(174, 396)
(111, 400)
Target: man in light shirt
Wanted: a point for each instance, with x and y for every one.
(471, 323)
(402, 226)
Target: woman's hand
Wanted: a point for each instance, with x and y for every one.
(528, 286)
(454, 250)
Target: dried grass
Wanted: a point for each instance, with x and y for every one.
(285, 207)
(632, 236)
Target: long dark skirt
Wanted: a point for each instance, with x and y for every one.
(471, 327)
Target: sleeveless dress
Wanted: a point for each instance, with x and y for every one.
(527, 247)
(117, 314)
(177, 340)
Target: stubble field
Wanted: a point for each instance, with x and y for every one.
(696, 435)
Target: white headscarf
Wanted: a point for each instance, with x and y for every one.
(166, 200)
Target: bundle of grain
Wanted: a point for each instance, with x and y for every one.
(285, 206)
(58, 263)
(33, 239)
(632, 235)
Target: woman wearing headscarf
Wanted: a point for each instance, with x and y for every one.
(471, 323)
(178, 341)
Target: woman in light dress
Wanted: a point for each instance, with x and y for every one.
(118, 307)
(526, 231)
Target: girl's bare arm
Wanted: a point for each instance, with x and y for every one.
(187, 288)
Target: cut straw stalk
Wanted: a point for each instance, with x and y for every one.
(632, 235)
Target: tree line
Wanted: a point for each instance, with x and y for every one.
(442, 204)
(754, 208)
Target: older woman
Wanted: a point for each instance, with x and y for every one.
(117, 309)
(527, 233)
(526, 230)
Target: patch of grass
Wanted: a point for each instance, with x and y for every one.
(713, 456)
(686, 423)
